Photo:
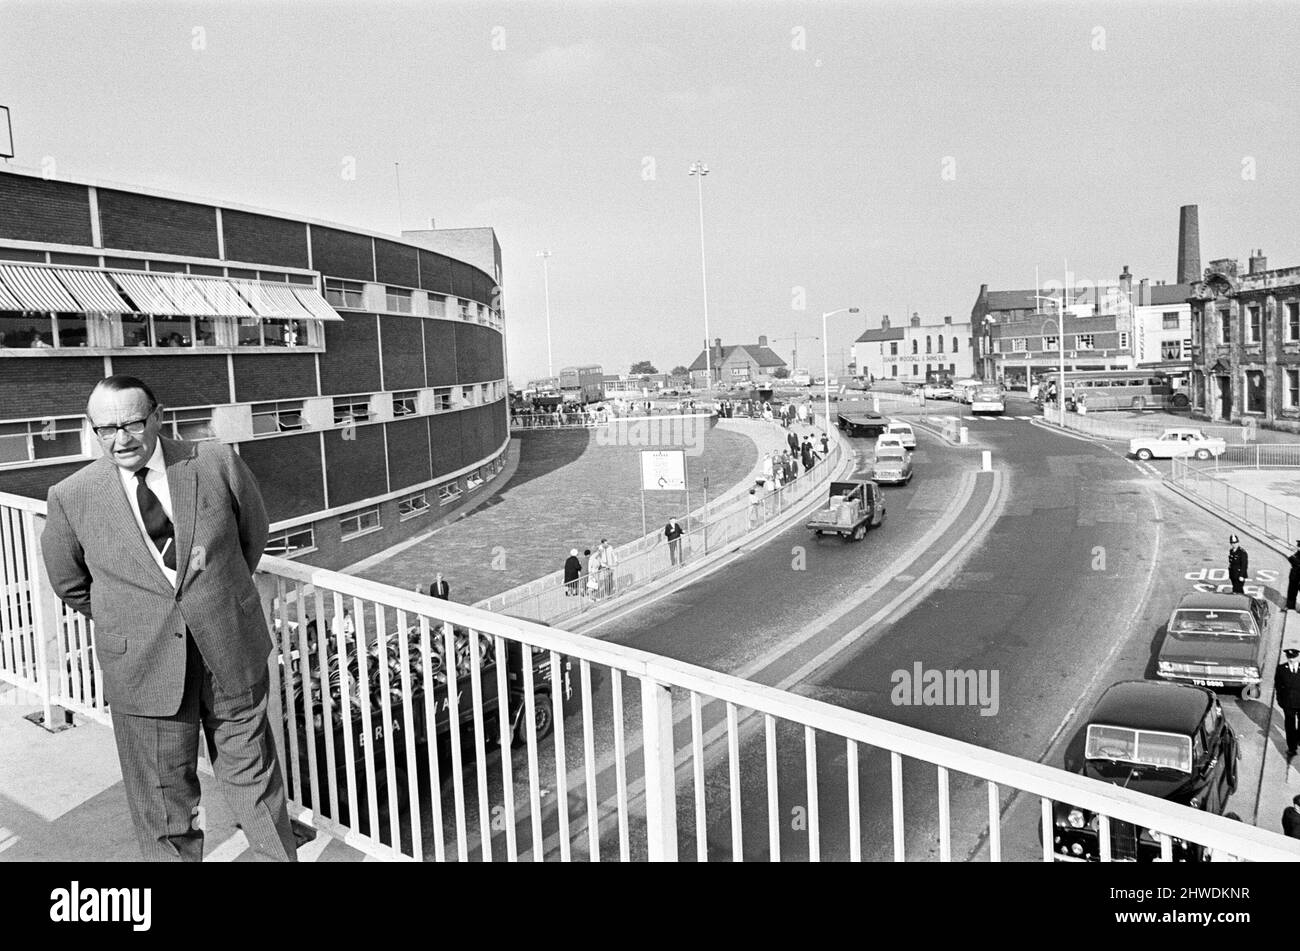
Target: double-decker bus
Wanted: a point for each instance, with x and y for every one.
(1118, 389)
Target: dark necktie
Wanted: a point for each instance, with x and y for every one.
(156, 522)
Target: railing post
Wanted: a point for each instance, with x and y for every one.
(660, 771)
(46, 613)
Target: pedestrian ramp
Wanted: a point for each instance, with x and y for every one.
(967, 420)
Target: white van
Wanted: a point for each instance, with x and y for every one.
(903, 431)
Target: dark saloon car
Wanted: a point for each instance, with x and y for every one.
(1163, 739)
(1216, 640)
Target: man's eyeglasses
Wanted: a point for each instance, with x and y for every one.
(135, 427)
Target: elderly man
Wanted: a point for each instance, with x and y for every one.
(157, 541)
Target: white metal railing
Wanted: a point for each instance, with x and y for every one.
(558, 746)
(1199, 479)
(551, 599)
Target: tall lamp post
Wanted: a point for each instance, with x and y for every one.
(699, 170)
(1060, 343)
(546, 281)
(826, 364)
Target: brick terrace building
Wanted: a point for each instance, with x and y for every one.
(742, 363)
(915, 353)
(362, 378)
(1246, 344)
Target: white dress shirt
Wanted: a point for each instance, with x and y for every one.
(156, 480)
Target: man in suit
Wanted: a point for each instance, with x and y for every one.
(1291, 819)
(1286, 684)
(439, 587)
(673, 532)
(157, 541)
(1238, 565)
(1293, 580)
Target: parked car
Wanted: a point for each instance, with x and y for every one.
(1181, 441)
(893, 463)
(1167, 740)
(937, 391)
(903, 431)
(1216, 640)
(852, 507)
(887, 439)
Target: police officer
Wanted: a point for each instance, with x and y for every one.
(1293, 583)
(1238, 565)
(1286, 684)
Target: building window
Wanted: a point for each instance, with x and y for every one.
(954, 345)
(404, 404)
(412, 505)
(37, 440)
(1017, 344)
(442, 399)
(464, 310)
(448, 493)
(351, 409)
(1049, 343)
(941, 343)
(916, 369)
(283, 417)
(473, 480)
(194, 425)
(893, 369)
(292, 542)
(1123, 341)
(1291, 392)
(1225, 324)
(1171, 350)
(1083, 342)
(1169, 320)
(1253, 325)
(437, 305)
(915, 347)
(928, 347)
(359, 523)
(1293, 321)
(344, 293)
(398, 300)
(893, 349)
(1254, 391)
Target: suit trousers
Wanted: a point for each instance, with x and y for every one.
(159, 758)
(1291, 722)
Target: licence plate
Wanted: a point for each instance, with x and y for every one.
(1208, 683)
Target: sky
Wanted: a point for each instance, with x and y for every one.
(888, 156)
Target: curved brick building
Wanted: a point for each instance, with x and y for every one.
(361, 377)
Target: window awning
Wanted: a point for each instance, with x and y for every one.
(36, 289)
(184, 291)
(8, 301)
(317, 305)
(223, 297)
(145, 293)
(283, 298)
(93, 291)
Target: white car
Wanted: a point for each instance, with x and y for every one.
(903, 431)
(887, 439)
(1177, 442)
(936, 391)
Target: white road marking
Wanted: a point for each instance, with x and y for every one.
(8, 838)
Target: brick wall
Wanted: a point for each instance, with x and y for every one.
(57, 386)
(340, 254)
(435, 272)
(350, 363)
(32, 209)
(280, 376)
(263, 239)
(288, 470)
(440, 352)
(35, 483)
(403, 352)
(462, 279)
(145, 223)
(355, 467)
(180, 381)
(473, 341)
(396, 264)
(445, 439)
(408, 453)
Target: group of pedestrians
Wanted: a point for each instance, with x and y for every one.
(591, 574)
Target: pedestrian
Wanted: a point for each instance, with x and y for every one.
(826, 445)
(767, 467)
(572, 571)
(1293, 582)
(803, 413)
(673, 532)
(583, 572)
(754, 503)
(1286, 684)
(608, 562)
(593, 573)
(1238, 565)
(807, 451)
(792, 440)
(1291, 819)
(439, 589)
(182, 640)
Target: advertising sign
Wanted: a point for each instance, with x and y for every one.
(663, 469)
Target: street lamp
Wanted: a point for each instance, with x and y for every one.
(699, 169)
(546, 279)
(826, 364)
(1060, 343)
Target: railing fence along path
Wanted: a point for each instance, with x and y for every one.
(425, 730)
(1201, 480)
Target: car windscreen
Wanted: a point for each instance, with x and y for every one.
(891, 452)
(1211, 623)
(988, 393)
(1141, 747)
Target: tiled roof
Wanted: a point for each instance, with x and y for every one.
(884, 333)
(1170, 293)
(761, 356)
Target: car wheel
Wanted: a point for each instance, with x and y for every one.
(1202, 454)
(543, 717)
(1250, 692)
(1180, 400)
(1144, 454)
(859, 533)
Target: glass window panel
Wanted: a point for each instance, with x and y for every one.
(17, 331)
(173, 331)
(14, 446)
(54, 444)
(284, 333)
(205, 333)
(136, 331)
(250, 332)
(73, 331)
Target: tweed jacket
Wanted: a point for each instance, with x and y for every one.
(98, 564)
